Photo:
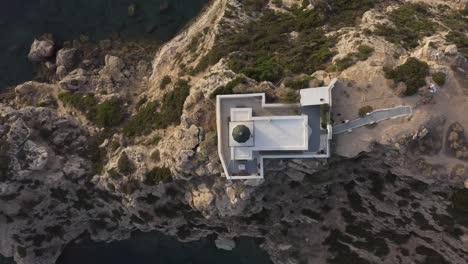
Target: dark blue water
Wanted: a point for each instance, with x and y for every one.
(155, 248)
(23, 20)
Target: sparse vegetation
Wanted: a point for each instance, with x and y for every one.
(85, 103)
(439, 78)
(109, 113)
(125, 165)
(297, 84)
(364, 110)
(459, 208)
(254, 5)
(148, 117)
(164, 82)
(410, 24)
(4, 159)
(229, 87)
(460, 40)
(265, 51)
(157, 175)
(364, 52)
(412, 73)
(21, 251)
(106, 114)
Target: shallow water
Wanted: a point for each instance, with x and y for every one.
(23, 20)
(155, 248)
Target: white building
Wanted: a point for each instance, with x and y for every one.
(250, 130)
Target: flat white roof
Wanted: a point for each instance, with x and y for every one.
(281, 133)
(315, 96)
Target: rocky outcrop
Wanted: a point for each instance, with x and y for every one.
(68, 58)
(35, 94)
(41, 49)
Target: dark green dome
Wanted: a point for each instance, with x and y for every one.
(241, 133)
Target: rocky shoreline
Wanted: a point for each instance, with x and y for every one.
(70, 167)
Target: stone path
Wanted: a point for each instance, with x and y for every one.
(373, 117)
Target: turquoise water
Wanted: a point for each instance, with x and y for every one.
(155, 248)
(23, 20)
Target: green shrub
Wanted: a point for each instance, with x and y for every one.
(278, 3)
(459, 207)
(4, 159)
(254, 5)
(229, 87)
(460, 40)
(85, 103)
(324, 115)
(155, 140)
(342, 64)
(125, 165)
(411, 23)
(165, 81)
(297, 84)
(457, 20)
(364, 110)
(173, 104)
(143, 122)
(412, 73)
(129, 187)
(439, 78)
(364, 52)
(157, 175)
(21, 251)
(109, 113)
(148, 119)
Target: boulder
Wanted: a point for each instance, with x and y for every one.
(74, 81)
(225, 243)
(67, 58)
(41, 49)
(451, 50)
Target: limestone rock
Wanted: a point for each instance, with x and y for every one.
(68, 58)
(74, 81)
(41, 49)
(225, 243)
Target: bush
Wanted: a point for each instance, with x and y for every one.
(229, 87)
(364, 52)
(459, 208)
(364, 110)
(21, 251)
(297, 84)
(412, 73)
(460, 40)
(254, 5)
(109, 113)
(157, 175)
(342, 64)
(439, 78)
(164, 82)
(411, 24)
(85, 103)
(148, 119)
(125, 165)
(4, 159)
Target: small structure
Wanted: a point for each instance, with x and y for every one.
(250, 130)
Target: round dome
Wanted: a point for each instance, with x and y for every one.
(241, 133)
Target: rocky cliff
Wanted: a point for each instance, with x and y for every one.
(120, 140)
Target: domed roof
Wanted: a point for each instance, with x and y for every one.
(241, 133)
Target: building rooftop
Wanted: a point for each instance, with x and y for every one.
(250, 130)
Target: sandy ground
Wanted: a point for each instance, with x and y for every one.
(371, 88)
